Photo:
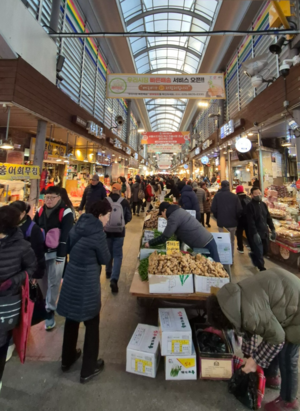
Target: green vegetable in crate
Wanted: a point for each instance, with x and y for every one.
(169, 200)
(175, 371)
(143, 269)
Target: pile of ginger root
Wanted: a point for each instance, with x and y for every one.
(178, 263)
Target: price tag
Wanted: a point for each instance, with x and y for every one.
(148, 235)
(192, 212)
(172, 246)
(162, 224)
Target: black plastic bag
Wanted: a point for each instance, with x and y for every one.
(244, 387)
(39, 313)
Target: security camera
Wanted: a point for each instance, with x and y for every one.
(255, 124)
(284, 68)
(119, 120)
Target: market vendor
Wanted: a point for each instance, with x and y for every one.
(186, 228)
(267, 305)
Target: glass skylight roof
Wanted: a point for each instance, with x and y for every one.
(167, 55)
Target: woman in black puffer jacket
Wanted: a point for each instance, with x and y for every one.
(16, 258)
(80, 297)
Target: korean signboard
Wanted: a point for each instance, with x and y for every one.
(178, 137)
(164, 148)
(18, 172)
(205, 86)
(52, 150)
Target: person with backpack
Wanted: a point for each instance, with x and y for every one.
(34, 234)
(115, 233)
(242, 220)
(138, 195)
(56, 219)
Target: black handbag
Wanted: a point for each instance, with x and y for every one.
(244, 388)
(10, 311)
(39, 312)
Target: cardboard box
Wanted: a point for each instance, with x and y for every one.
(171, 284)
(181, 367)
(143, 353)
(214, 366)
(175, 332)
(204, 284)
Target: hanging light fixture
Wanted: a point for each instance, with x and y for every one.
(7, 143)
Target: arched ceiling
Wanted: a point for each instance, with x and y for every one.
(167, 55)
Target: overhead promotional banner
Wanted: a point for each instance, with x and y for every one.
(160, 137)
(195, 86)
(164, 148)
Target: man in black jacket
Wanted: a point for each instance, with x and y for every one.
(56, 217)
(94, 192)
(226, 208)
(259, 221)
(115, 233)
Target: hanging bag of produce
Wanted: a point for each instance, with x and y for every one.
(249, 389)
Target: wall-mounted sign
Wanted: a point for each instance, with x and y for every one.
(193, 86)
(18, 172)
(227, 129)
(243, 145)
(197, 151)
(160, 137)
(206, 144)
(204, 160)
(128, 151)
(91, 127)
(217, 161)
(118, 144)
(136, 156)
(239, 123)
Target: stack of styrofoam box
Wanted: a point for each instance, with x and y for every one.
(177, 345)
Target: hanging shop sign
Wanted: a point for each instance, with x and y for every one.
(204, 160)
(227, 129)
(10, 171)
(164, 148)
(243, 145)
(206, 144)
(177, 137)
(195, 86)
(52, 150)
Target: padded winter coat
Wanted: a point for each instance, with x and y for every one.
(267, 304)
(80, 297)
(91, 195)
(189, 200)
(201, 195)
(226, 208)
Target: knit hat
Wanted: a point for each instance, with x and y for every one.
(225, 184)
(95, 177)
(195, 185)
(116, 187)
(239, 189)
(138, 179)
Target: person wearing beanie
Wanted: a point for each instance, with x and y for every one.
(226, 208)
(242, 221)
(189, 200)
(93, 193)
(115, 234)
(186, 228)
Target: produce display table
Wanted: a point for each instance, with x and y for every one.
(140, 289)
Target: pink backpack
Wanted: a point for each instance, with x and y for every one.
(53, 235)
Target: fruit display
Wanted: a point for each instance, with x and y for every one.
(178, 263)
(153, 221)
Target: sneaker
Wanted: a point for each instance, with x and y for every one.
(294, 405)
(273, 382)
(208, 225)
(50, 322)
(240, 251)
(262, 269)
(11, 349)
(114, 286)
(66, 368)
(275, 405)
(98, 369)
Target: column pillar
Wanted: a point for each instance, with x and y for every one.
(38, 160)
(191, 168)
(296, 114)
(54, 18)
(229, 172)
(222, 166)
(128, 122)
(260, 164)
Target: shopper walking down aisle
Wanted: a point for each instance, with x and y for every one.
(127, 193)
(16, 259)
(149, 194)
(173, 191)
(115, 233)
(226, 208)
(80, 297)
(188, 199)
(93, 192)
(242, 221)
(207, 203)
(201, 195)
(267, 305)
(56, 219)
(187, 230)
(137, 193)
(259, 221)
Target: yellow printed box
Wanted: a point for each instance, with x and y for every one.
(143, 353)
(181, 367)
(175, 332)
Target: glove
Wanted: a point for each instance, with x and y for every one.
(273, 235)
(257, 239)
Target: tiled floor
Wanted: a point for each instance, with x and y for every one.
(40, 385)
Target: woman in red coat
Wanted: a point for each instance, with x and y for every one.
(148, 194)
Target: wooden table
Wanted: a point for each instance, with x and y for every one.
(140, 289)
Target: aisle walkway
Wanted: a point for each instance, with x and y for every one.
(40, 385)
